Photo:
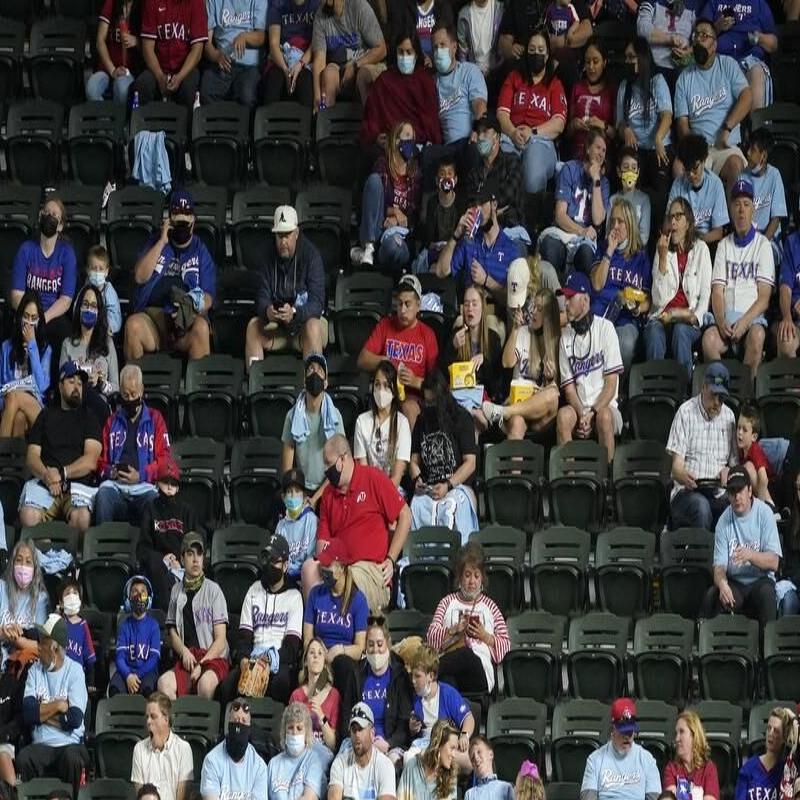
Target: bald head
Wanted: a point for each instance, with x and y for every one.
(336, 446)
(338, 461)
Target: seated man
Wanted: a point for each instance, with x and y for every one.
(176, 280)
(741, 285)
(63, 449)
(236, 36)
(788, 329)
(407, 342)
(135, 443)
(747, 553)
(173, 35)
(291, 296)
(53, 707)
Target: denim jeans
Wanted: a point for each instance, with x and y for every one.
(554, 250)
(240, 84)
(628, 336)
(790, 604)
(693, 509)
(539, 161)
(99, 87)
(110, 505)
(682, 340)
(392, 251)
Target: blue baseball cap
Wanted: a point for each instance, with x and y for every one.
(69, 369)
(180, 202)
(317, 358)
(742, 188)
(718, 378)
(577, 283)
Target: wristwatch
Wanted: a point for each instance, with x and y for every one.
(597, 183)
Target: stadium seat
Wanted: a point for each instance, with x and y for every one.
(662, 658)
(579, 728)
(19, 209)
(201, 461)
(727, 658)
(272, 388)
(161, 374)
(514, 483)
(656, 734)
(785, 63)
(516, 727)
(43, 789)
(404, 622)
(722, 722)
(96, 134)
(337, 147)
(107, 789)
(210, 210)
(12, 45)
(642, 480)
(504, 552)
(119, 725)
(757, 723)
(255, 480)
(173, 119)
(78, 9)
(597, 644)
(532, 667)
(220, 143)
(348, 387)
(13, 472)
(55, 59)
(213, 386)
(107, 561)
(782, 657)
(83, 218)
(361, 301)
(655, 391)
(234, 307)
(252, 216)
(20, 10)
(196, 720)
(281, 138)
(686, 556)
(778, 398)
(428, 577)
(562, 790)
(324, 215)
(558, 572)
(33, 142)
(53, 535)
(100, 624)
(578, 473)
(623, 571)
(741, 382)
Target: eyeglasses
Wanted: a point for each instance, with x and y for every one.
(88, 305)
(240, 705)
(677, 214)
(380, 620)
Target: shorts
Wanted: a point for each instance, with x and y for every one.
(731, 317)
(717, 157)
(282, 339)
(165, 330)
(747, 63)
(36, 495)
(219, 666)
(7, 750)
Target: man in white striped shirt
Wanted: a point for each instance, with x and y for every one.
(702, 442)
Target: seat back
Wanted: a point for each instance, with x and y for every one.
(281, 135)
(107, 789)
(404, 622)
(433, 543)
(337, 132)
(597, 647)
(728, 647)
(656, 734)
(577, 475)
(579, 727)
(364, 289)
(623, 566)
(33, 130)
(686, 556)
(777, 393)
(55, 58)
(722, 722)
(215, 373)
(55, 535)
(105, 118)
(662, 646)
(323, 203)
(642, 477)
(656, 389)
(220, 133)
(741, 381)
(237, 542)
(532, 668)
(515, 727)
(255, 480)
(514, 473)
(559, 563)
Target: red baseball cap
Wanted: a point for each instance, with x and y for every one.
(168, 471)
(335, 551)
(623, 715)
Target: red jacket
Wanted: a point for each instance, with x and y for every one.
(395, 97)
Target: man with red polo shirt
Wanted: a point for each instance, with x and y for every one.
(358, 506)
(173, 35)
(408, 343)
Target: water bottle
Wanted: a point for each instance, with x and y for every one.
(196, 104)
(135, 101)
(323, 102)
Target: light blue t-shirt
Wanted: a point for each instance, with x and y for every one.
(621, 777)
(659, 102)
(707, 202)
(769, 199)
(226, 779)
(706, 96)
(23, 615)
(229, 18)
(68, 683)
(288, 777)
(456, 91)
(755, 530)
(491, 788)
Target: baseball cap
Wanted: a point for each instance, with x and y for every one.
(69, 369)
(485, 123)
(293, 477)
(180, 202)
(484, 193)
(409, 282)
(361, 715)
(276, 549)
(576, 283)
(316, 358)
(742, 188)
(738, 479)
(168, 471)
(623, 715)
(191, 540)
(285, 220)
(718, 378)
(54, 628)
(517, 280)
(335, 551)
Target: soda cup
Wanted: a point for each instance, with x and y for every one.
(477, 221)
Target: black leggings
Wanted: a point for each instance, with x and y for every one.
(275, 87)
(464, 670)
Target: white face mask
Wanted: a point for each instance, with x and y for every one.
(378, 661)
(71, 604)
(295, 744)
(383, 397)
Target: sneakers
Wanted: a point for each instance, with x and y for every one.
(493, 413)
(362, 256)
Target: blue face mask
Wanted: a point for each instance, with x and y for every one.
(294, 505)
(96, 278)
(89, 317)
(407, 149)
(406, 63)
(441, 59)
(485, 147)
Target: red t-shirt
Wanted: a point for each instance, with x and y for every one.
(680, 300)
(705, 777)
(361, 516)
(757, 458)
(114, 40)
(532, 104)
(175, 25)
(582, 104)
(415, 347)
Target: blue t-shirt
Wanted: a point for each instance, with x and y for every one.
(296, 21)
(373, 694)
(324, 612)
(755, 783)
(754, 15)
(755, 530)
(43, 686)
(80, 647)
(491, 788)
(451, 706)
(229, 18)
(707, 202)
(50, 277)
(287, 777)
(621, 777)
(494, 259)
(301, 535)
(706, 96)
(790, 267)
(658, 102)
(769, 197)
(575, 188)
(138, 646)
(226, 779)
(622, 272)
(186, 268)
(456, 91)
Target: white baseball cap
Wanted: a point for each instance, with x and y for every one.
(517, 280)
(285, 220)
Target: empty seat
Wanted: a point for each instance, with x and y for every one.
(33, 142)
(655, 391)
(656, 721)
(662, 653)
(558, 572)
(201, 461)
(515, 727)
(213, 386)
(281, 137)
(623, 570)
(642, 479)
(324, 215)
(337, 131)
(532, 667)
(119, 725)
(686, 556)
(107, 561)
(12, 45)
(272, 388)
(134, 214)
(597, 646)
(255, 480)
(728, 654)
(173, 120)
(578, 473)
(55, 59)
(782, 657)
(428, 577)
(220, 139)
(579, 728)
(96, 135)
(778, 398)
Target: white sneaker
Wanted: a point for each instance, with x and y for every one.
(360, 256)
(493, 413)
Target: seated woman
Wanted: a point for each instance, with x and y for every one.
(119, 60)
(432, 775)
(692, 766)
(681, 289)
(25, 368)
(317, 692)
(468, 629)
(761, 774)
(621, 279)
(336, 612)
(476, 341)
(288, 72)
(531, 351)
(383, 436)
(532, 112)
(391, 202)
(443, 458)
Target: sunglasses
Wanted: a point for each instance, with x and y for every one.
(378, 620)
(240, 705)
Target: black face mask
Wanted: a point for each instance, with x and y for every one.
(581, 326)
(536, 62)
(131, 407)
(315, 385)
(181, 233)
(630, 72)
(700, 54)
(333, 474)
(270, 575)
(48, 225)
(167, 499)
(237, 739)
(138, 606)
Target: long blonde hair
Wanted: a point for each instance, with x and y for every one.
(544, 347)
(629, 215)
(445, 778)
(701, 752)
(325, 678)
(393, 157)
(465, 351)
